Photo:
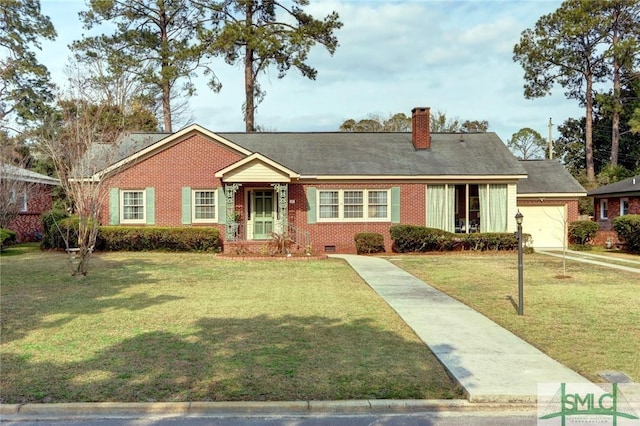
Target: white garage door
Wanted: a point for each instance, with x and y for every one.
(545, 224)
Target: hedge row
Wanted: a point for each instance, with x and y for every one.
(119, 238)
(58, 226)
(410, 239)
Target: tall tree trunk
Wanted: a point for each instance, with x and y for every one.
(615, 118)
(588, 131)
(166, 107)
(249, 91)
(166, 84)
(249, 78)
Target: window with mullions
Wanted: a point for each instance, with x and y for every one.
(378, 204)
(328, 205)
(353, 205)
(204, 206)
(132, 206)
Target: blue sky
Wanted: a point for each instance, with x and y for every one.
(452, 56)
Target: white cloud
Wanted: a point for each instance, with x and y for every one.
(454, 56)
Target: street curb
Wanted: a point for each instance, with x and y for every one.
(220, 409)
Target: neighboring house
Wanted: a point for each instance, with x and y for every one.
(548, 201)
(618, 199)
(321, 188)
(32, 193)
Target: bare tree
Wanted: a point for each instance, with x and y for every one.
(80, 146)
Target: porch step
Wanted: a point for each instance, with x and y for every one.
(259, 247)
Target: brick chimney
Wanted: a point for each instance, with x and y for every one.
(420, 128)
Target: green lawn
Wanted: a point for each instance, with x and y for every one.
(190, 327)
(589, 321)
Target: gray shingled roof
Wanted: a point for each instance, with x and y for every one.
(547, 177)
(624, 187)
(11, 172)
(101, 155)
(382, 154)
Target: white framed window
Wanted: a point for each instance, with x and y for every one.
(328, 205)
(13, 198)
(624, 206)
(604, 209)
(350, 205)
(132, 206)
(353, 204)
(204, 205)
(378, 202)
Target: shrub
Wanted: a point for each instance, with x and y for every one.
(369, 242)
(121, 238)
(582, 231)
(409, 238)
(7, 237)
(53, 232)
(580, 247)
(489, 241)
(280, 243)
(628, 229)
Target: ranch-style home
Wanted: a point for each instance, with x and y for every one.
(617, 199)
(323, 188)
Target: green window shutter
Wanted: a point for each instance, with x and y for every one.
(221, 199)
(150, 208)
(311, 201)
(186, 205)
(114, 206)
(395, 204)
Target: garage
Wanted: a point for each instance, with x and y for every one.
(546, 224)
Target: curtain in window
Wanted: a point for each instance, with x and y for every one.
(441, 207)
(493, 207)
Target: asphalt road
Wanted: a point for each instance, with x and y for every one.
(405, 419)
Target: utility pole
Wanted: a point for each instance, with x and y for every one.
(550, 140)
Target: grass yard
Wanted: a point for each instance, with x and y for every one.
(590, 322)
(189, 327)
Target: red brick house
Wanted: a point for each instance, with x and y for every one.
(321, 188)
(618, 199)
(32, 193)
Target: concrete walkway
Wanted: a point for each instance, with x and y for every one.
(489, 362)
(579, 256)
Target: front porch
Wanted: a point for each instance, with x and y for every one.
(258, 218)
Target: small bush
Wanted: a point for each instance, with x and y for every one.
(628, 229)
(369, 242)
(582, 231)
(7, 238)
(280, 243)
(52, 237)
(121, 238)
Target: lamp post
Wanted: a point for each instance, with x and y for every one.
(520, 265)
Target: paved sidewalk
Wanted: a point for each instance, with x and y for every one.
(489, 362)
(579, 256)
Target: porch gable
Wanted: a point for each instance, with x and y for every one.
(256, 168)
